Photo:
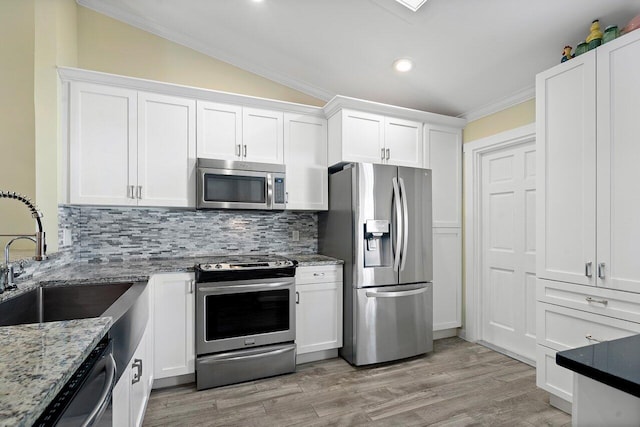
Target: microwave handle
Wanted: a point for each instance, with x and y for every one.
(269, 191)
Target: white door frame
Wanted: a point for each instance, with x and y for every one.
(473, 152)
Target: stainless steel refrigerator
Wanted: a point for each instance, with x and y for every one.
(379, 223)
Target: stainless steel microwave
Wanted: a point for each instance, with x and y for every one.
(225, 184)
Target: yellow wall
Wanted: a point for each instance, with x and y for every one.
(108, 45)
(17, 115)
(510, 118)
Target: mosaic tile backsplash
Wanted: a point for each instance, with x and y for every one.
(100, 234)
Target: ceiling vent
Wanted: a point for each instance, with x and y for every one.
(414, 5)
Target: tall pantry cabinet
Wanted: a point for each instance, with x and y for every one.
(588, 227)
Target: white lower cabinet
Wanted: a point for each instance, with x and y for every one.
(447, 278)
(318, 308)
(131, 393)
(173, 300)
(601, 315)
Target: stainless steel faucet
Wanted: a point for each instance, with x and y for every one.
(7, 280)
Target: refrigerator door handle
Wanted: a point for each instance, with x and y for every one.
(399, 224)
(405, 223)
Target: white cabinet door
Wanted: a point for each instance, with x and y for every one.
(166, 150)
(103, 146)
(139, 381)
(262, 135)
(443, 155)
(403, 142)
(318, 308)
(447, 278)
(618, 160)
(318, 317)
(173, 326)
(566, 146)
(219, 131)
(305, 156)
(362, 137)
(121, 400)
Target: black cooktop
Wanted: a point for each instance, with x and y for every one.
(244, 267)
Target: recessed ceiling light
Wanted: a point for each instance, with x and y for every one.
(403, 65)
(258, 1)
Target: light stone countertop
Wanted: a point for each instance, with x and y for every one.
(37, 360)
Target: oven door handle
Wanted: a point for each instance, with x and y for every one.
(270, 286)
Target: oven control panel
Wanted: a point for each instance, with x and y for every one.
(245, 265)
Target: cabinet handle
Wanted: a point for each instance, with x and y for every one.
(130, 192)
(591, 338)
(599, 301)
(388, 153)
(318, 274)
(191, 283)
(137, 376)
(239, 150)
(382, 153)
(587, 269)
(297, 297)
(286, 197)
(245, 150)
(601, 270)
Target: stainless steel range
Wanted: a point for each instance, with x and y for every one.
(245, 319)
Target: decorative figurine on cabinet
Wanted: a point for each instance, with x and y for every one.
(566, 54)
(594, 39)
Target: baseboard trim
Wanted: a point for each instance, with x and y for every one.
(316, 355)
(511, 354)
(173, 381)
(560, 403)
(445, 333)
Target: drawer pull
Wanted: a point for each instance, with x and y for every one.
(590, 338)
(599, 301)
(318, 274)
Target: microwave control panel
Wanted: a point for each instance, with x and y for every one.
(278, 191)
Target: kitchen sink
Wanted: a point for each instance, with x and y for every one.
(49, 304)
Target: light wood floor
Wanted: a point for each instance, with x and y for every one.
(459, 384)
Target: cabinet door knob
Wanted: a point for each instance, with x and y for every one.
(297, 297)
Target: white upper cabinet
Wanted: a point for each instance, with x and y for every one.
(443, 155)
(130, 148)
(618, 161)
(362, 136)
(102, 144)
(305, 157)
(566, 147)
(356, 136)
(403, 142)
(234, 132)
(262, 135)
(588, 168)
(219, 131)
(166, 150)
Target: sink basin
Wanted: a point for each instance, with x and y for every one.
(49, 304)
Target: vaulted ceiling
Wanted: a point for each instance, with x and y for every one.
(467, 54)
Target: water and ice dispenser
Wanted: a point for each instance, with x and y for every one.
(377, 247)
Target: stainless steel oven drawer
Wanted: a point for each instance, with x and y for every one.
(245, 365)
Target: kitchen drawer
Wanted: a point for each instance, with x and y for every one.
(607, 302)
(551, 377)
(318, 274)
(562, 328)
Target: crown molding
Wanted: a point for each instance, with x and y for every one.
(68, 74)
(198, 46)
(501, 104)
(340, 102)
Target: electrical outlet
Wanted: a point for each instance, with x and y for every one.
(295, 235)
(66, 237)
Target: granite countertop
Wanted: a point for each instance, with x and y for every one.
(37, 360)
(614, 363)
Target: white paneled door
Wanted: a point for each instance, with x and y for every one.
(508, 192)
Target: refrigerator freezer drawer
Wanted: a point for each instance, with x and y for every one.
(393, 322)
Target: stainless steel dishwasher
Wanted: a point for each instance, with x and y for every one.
(86, 398)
